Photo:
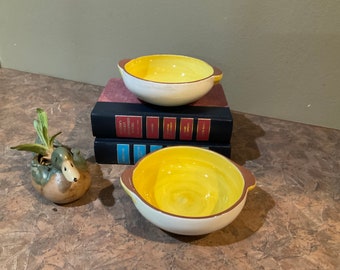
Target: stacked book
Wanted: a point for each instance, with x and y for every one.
(126, 129)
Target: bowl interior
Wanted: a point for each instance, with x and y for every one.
(169, 68)
(188, 181)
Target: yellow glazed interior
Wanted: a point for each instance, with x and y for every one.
(188, 181)
(169, 68)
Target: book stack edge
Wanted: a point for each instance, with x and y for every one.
(126, 128)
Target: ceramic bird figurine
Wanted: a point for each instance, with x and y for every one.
(59, 173)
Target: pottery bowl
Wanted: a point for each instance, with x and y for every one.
(168, 80)
(188, 190)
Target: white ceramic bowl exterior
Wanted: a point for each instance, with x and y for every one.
(168, 94)
(184, 226)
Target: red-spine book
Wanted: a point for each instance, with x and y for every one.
(126, 151)
(120, 114)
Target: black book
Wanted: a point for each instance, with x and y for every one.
(119, 114)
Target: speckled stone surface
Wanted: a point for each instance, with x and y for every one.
(291, 219)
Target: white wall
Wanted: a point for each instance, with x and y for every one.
(279, 58)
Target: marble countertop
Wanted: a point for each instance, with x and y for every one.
(291, 220)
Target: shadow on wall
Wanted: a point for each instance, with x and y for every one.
(243, 141)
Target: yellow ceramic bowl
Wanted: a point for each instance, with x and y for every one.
(168, 80)
(188, 190)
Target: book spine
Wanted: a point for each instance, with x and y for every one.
(126, 152)
(174, 127)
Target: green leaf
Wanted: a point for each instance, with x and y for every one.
(41, 126)
(53, 138)
(31, 147)
(42, 116)
(39, 130)
(45, 135)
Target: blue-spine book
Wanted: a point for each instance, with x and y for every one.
(122, 151)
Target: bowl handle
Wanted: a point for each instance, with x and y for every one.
(249, 178)
(218, 74)
(126, 180)
(127, 177)
(122, 63)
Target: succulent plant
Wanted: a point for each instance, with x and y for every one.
(44, 145)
